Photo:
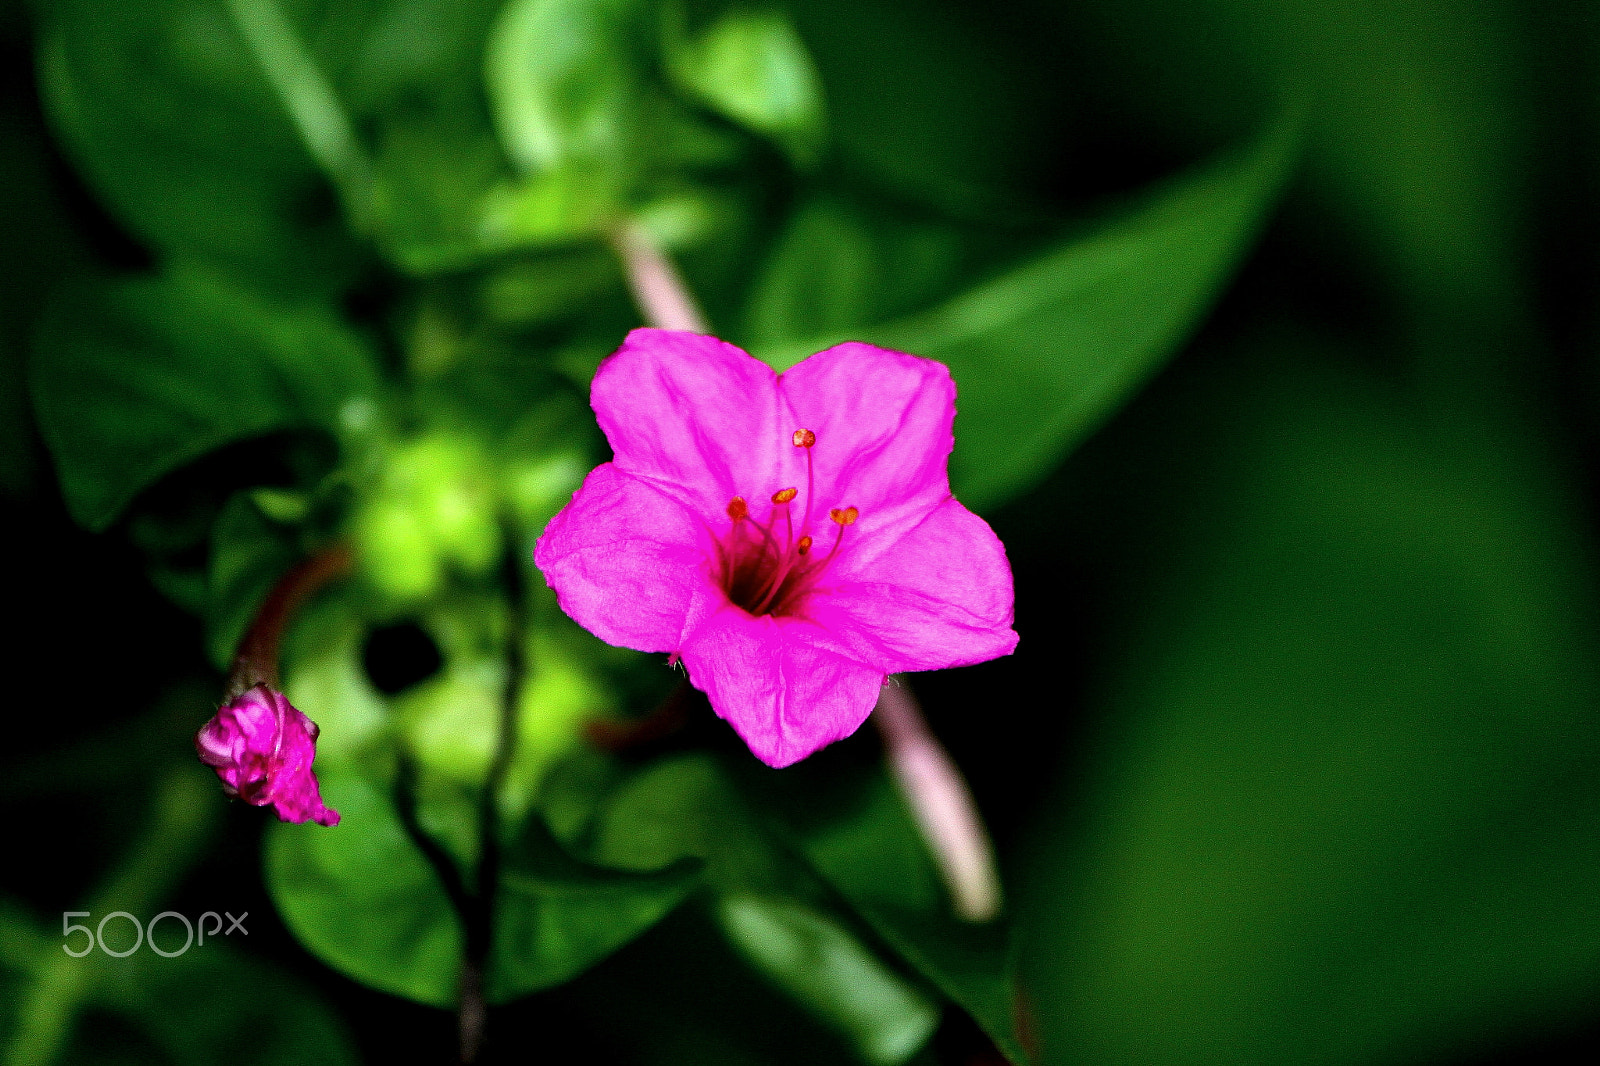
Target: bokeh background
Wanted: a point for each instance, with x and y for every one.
(1275, 324)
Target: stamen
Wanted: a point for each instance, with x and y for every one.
(804, 545)
(738, 509)
(845, 517)
(804, 438)
(784, 495)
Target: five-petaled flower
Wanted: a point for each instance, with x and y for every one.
(261, 748)
(791, 538)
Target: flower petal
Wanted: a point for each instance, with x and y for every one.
(883, 424)
(694, 413)
(627, 562)
(784, 693)
(938, 596)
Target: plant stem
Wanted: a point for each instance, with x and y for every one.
(479, 918)
(940, 802)
(256, 661)
(932, 784)
(657, 287)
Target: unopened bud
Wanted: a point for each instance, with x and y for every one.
(261, 748)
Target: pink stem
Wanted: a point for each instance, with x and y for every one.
(940, 802)
(654, 281)
(256, 661)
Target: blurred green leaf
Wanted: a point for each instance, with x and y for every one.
(940, 100)
(59, 985)
(172, 122)
(750, 65)
(771, 906)
(860, 838)
(430, 509)
(1045, 353)
(1345, 809)
(837, 269)
(203, 1003)
(305, 95)
(324, 675)
(215, 1003)
(132, 380)
(825, 967)
(564, 87)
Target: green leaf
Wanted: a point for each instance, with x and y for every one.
(1045, 353)
(563, 85)
(822, 964)
(859, 837)
(1345, 807)
(751, 66)
(172, 122)
(557, 916)
(685, 807)
(837, 270)
(133, 380)
(362, 898)
(770, 905)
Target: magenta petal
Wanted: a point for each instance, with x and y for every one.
(694, 413)
(262, 749)
(626, 562)
(883, 425)
(938, 596)
(784, 693)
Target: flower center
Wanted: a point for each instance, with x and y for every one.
(768, 567)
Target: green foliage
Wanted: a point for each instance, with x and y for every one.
(168, 115)
(364, 899)
(367, 902)
(558, 916)
(830, 971)
(564, 92)
(1045, 353)
(871, 853)
(129, 384)
(1048, 350)
(770, 904)
(217, 1003)
(211, 1003)
(750, 65)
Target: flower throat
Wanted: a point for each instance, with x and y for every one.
(767, 568)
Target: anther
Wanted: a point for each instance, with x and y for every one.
(738, 509)
(845, 517)
(804, 545)
(804, 438)
(784, 495)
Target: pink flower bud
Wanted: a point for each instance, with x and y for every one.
(261, 748)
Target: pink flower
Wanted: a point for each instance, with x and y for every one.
(791, 538)
(261, 748)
